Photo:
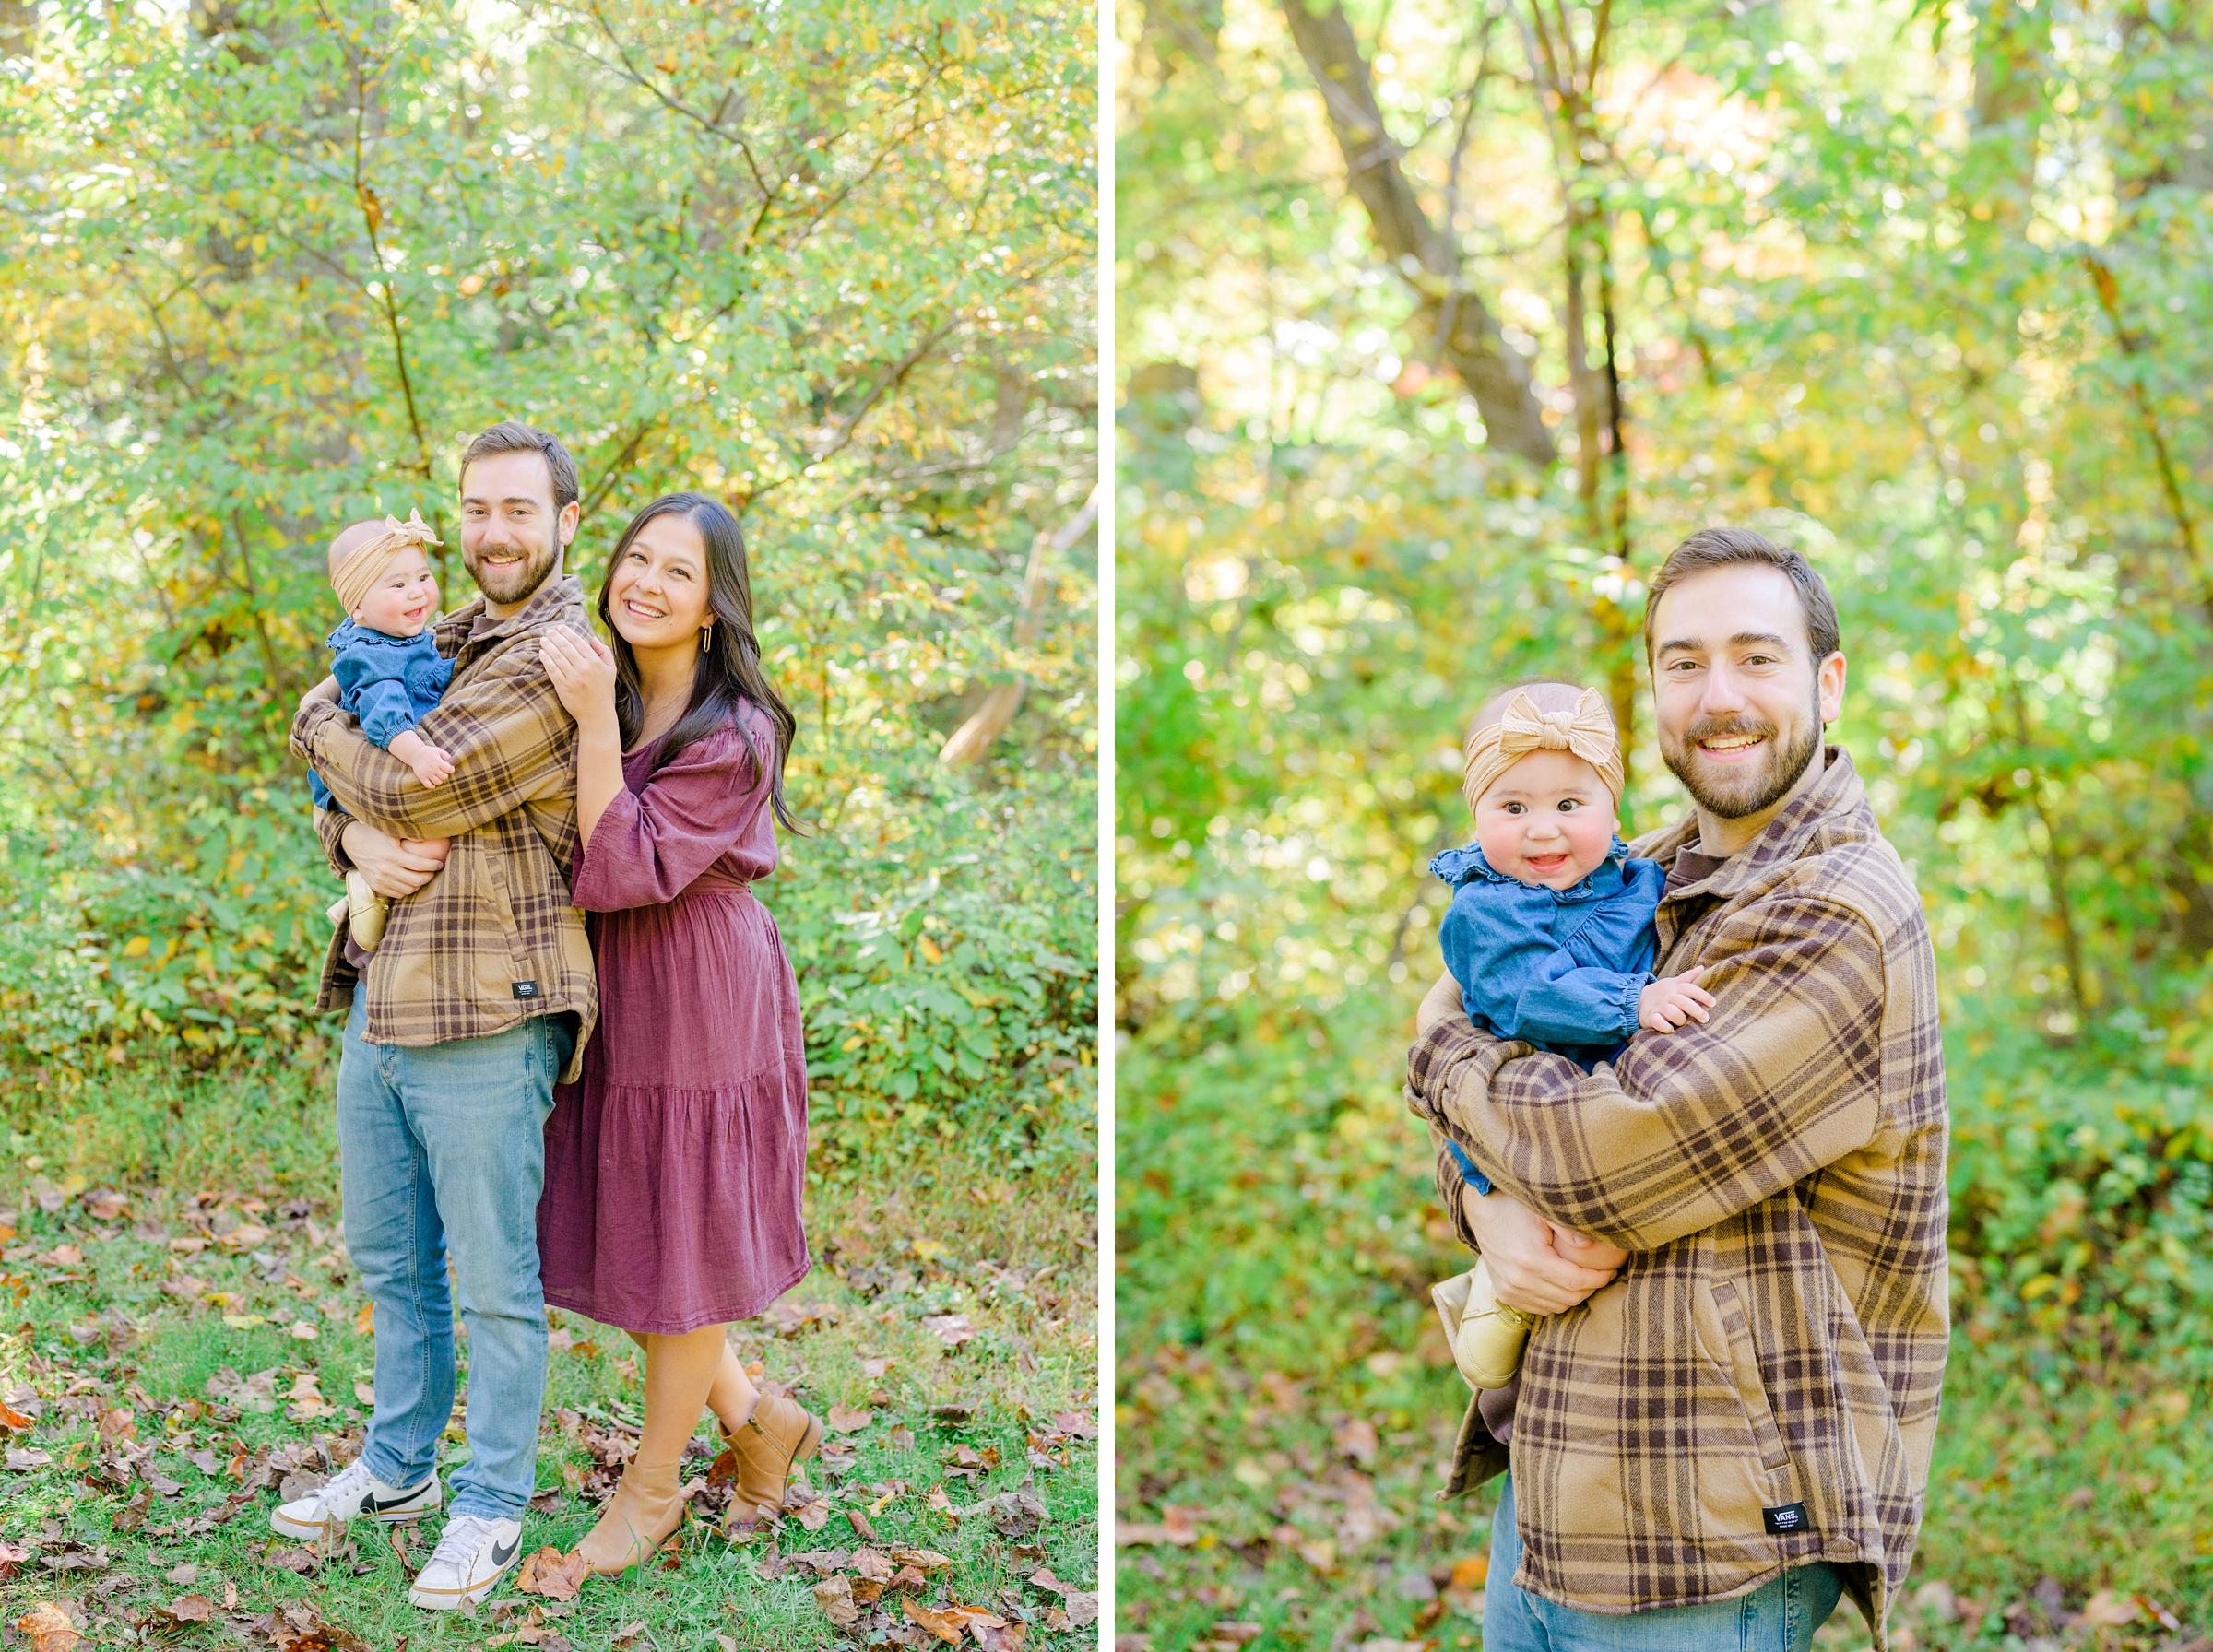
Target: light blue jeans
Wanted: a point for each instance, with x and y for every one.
(1778, 1616)
(441, 1151)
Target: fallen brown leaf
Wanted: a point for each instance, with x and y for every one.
(951, 1329)
(2106, 1609)
(846, 1419)
(132, 1515)
(835, 1597)
(1357, 1440)
(946, 1626)
(48, 1629)
(191, 1609)
(550, 1573)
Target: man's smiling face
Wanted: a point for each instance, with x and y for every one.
(1740, 700)
(511, 533)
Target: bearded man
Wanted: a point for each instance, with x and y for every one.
(479, 996)
(1736, 1230)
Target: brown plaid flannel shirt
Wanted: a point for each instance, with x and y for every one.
(1778, 1335)
(491, 938)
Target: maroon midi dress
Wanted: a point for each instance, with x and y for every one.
(674, 1165)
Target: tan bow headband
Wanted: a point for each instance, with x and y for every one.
(356, 577)
(1588, 732)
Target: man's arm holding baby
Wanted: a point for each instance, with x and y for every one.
(1497, 940)
(503, 730)
(1535, 1264)
(1682, 1131)
(396, 867)
(388, 719)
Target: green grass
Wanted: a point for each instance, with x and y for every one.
(2091, 1490)
(100, 1335)
(1286, 1405)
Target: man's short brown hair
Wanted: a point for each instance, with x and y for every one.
(1732, 547)
(512, 436)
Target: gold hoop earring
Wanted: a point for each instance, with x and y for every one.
(706, 636)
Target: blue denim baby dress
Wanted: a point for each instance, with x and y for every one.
(1561, 968)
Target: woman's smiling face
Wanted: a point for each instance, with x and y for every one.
(657, 592)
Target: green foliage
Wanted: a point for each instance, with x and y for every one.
(267, 266)
(1919, 289)
(948, 976)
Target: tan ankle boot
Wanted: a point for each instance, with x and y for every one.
(779, 1434)
(646, 1508)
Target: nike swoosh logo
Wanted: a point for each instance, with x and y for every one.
(501, 1554)
(381, 1503)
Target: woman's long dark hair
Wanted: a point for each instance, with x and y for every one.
(729, 667)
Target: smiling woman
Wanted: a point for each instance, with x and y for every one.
(674, 1169)
(826, 269)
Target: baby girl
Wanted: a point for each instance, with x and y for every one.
(388, 669)
(1550, 934)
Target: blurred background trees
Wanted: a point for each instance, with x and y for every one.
(267, 266)
(1443, 323)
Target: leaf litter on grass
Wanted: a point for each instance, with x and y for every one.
(186, 1427)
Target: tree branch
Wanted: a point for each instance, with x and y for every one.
(1471, 342)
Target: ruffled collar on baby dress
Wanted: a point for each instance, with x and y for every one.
(348, 633)
(1460, 866)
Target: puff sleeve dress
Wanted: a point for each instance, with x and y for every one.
(674, 1165)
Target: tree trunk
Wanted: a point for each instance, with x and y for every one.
(1450, 314)
(974, 738)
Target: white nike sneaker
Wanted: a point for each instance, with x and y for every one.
(356, 1494)
(470, 1559)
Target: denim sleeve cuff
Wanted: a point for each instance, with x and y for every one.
(1468, 1173)
(381, 727)
(1630, 993)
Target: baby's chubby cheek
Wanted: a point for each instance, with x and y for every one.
(1589, 835)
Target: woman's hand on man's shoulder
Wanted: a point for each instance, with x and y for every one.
(581, 670)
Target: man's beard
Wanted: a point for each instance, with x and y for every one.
(1733, 795)
(516, 581)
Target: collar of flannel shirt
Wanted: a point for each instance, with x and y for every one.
(1785, 838)
(545, 602)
